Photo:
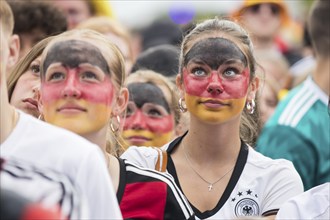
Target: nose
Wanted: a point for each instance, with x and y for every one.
(215, 86)
(70, 89)
(138, 122)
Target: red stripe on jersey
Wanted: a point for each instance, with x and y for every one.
(135, 196)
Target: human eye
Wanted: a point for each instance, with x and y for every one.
(35, 69)
(230, 72)
(154, 113)
(198, 71)
(89, 76)
(130, 109)
(154, 110)
(56, 76)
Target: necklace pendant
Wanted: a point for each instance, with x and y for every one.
(210, 187)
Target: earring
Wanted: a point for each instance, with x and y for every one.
(113, 128)
(183, 108)
(250, 106)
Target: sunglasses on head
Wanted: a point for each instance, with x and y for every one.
(275, 9)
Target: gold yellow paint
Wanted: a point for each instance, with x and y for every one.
(214, 115)
(94, 119)
(155, 139)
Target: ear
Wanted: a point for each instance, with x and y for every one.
(14, 47)
(121, 102)
(253, 88)
(179, 83)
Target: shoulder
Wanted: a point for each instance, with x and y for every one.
(263, 162)
(141, 156)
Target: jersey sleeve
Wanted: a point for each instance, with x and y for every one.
(94, 181)
(142, 156)
(284, 183)
(284, 142)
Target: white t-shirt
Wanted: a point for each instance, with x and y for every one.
(258, 185)
(312, 204)
(63, 151)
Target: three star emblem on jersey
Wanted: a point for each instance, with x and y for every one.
(246, 204)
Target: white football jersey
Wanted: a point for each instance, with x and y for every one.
(258, 185)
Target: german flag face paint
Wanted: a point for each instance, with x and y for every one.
(216, 80)
(76, 90)
(149, 121)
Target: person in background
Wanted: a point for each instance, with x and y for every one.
(116, 32)
(152, 113)
(161, 32)
(163, 59)
(221, 175)
(24, 80)
(264, 19)
(82, 76)
(34, 21)
(78, 11)
(299, 128)
(273, 69)
(36, 142)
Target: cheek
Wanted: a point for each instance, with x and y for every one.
(99, 93)
(193, 86)
(161, 125)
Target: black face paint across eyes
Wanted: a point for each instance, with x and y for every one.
(141, 93)
(214, 52)
(71, 53)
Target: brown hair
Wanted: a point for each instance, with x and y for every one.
(234, 32)
(318, 27)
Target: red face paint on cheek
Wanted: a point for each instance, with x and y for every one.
(144, 122)
(98, 93)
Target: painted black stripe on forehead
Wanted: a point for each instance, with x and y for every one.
(71, 53)
(141, 93)
(214, 52)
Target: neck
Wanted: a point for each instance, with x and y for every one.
(99, 138)
(207, 142)
(321, 74)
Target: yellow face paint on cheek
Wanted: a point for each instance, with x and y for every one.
(84, 118)
(231, 109)
(146, 138)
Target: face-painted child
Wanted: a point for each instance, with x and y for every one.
(77, 91)
(216, 80)
(150, 119)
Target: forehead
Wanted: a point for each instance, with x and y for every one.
(215, 49)
(74, 52)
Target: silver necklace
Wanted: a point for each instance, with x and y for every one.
(210, 184)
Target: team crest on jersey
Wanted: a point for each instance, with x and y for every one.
(246, 204)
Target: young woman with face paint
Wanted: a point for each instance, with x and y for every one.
(152, 113)
(82, 74)
(221, 175)
(24, 80)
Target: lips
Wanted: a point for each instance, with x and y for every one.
(31, 103)
(214, 103)
(71, 108)
(136, 140)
